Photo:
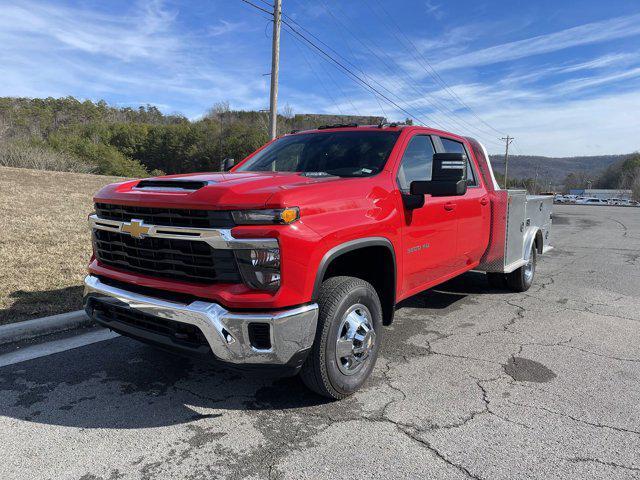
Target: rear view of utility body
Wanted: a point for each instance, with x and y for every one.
(296, 257)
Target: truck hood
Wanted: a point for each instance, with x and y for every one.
(223, 191)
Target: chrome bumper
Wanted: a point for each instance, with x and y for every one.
(227, 333)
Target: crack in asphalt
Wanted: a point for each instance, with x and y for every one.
(603, 462)
(624, 227)
(602, 355)
(505, 328)
(576, 419)
(425, 443)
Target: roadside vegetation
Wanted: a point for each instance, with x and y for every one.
(69, 135)
(44, 240)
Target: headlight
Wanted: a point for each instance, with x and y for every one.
(260, 268)
(266, 217)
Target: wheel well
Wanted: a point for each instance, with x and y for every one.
(538, 241)
(373, 264)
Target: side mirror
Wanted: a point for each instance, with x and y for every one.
(227, 164)
(448, 177)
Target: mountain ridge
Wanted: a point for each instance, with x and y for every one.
(554, 169)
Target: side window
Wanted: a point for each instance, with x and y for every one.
(416, 161)
(451, 146)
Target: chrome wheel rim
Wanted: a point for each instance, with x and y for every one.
(356, 339)
(529, 269)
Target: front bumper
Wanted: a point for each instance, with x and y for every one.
(291, 331)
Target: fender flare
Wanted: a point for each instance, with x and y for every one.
(350, 246)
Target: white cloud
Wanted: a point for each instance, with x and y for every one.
(49, 49)
(542, 71)
(602, 125)
(434, 10)
(589, 33)
(577, 84)
(225, 27)
(144, 34)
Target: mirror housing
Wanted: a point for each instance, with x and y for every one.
(448, 178)
(227, 164)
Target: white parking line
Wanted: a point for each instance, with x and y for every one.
(55, 346)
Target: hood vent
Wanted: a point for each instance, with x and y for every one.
(170, 185)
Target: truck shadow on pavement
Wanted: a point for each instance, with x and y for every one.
(124, 384)
(449, 293)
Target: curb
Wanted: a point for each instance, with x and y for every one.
(43, 326)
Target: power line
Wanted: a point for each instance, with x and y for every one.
(365, 83)
(346, 42)
(258, 7)
(311, 67)
(350, 73)
(347, 61)
(443, 107)
(339, 64)
(434, 73)
(434, 102)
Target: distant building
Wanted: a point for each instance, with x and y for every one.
(602, 193)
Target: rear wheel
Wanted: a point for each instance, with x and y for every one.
(347, 338)
(520, 280)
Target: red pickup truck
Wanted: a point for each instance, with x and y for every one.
(297, 256)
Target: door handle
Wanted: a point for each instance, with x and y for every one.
(449, 206)
(484, 201)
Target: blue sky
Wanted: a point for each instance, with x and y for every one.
(563, 77)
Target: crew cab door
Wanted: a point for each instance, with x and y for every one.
(429, 233)
(472, 208)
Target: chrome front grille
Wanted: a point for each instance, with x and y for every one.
(163, 257)
(191, 254)
(172, 217)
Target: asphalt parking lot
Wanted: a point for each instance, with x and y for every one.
(473, 383)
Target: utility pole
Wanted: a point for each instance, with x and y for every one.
(275, 61)
(507, 141)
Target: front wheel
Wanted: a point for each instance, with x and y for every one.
(347, 339)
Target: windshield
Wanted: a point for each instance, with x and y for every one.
(343, 154)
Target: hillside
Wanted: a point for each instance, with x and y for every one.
(554, 169)
(83, 136)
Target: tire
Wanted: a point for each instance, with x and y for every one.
(520, 280)
(347, 305)
(497, 280)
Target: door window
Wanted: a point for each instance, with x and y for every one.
(451, 146)
(416, 161)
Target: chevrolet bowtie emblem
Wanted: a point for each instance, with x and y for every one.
(135, 228)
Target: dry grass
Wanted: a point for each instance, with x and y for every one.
(40, 158)
(44, 240)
